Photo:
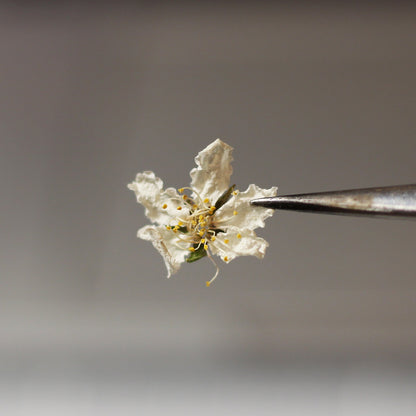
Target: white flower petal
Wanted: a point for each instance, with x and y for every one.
(212, 175)
(238, 242)
(149, 192)
(238, 211)
(166, 243)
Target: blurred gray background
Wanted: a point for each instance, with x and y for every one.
(312, 97)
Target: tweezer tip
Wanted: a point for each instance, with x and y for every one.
(260, 202)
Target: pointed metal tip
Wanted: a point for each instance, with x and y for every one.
(262, 202)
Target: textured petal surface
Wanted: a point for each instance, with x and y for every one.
(165, 243)
(149, 192)
(247, 216)
(239, 242)
(212, 175)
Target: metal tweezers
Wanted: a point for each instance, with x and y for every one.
(390, 201)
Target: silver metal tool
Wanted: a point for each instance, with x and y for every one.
(392, 201)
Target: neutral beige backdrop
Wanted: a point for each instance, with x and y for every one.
(312, 98)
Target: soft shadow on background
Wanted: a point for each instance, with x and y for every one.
(312, 98)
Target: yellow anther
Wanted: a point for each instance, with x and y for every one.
(191, 249)
(201, 217)
(225, 258)
(205, 246)
(206, 200)
(207, 284)
(180, 223)
(213, 238)
(202, 240)
(201, 233)
(180, 190)
(164, 206)
(226, 241)
(176, 227)
(238, 235)
(194, 206)
(184, 197)
(179, 208)
(212, 208)
(203, 223)
(235, 213)
(168, 227)
(235, 193)
(193, 222)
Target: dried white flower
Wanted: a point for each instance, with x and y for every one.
(213, 218)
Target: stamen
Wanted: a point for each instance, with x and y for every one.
(206, 200)
(168, 227)
(213, 238)
(225, 258)
(180, 223)
(216, 273)
(193, 190)
(184, 197)
(191, 249)
(235, 213)
(164, 206)
(238, 235)
(179, 208)
(205, 246)
(181, 190)
(226, 241)
(202, 240)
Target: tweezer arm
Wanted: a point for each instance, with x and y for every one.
(396, 201)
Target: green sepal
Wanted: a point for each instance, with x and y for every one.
(224, 198)
(197, 254)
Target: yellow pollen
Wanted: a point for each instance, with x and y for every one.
(207, 284)
(213, 238)
(205, 246)
(193, 222)
(235, 193)
(201, 217)
(180, 223)
(225, 258)
(226, 241)
(235, 213)
(206, 200)
(194, 206)
(212, 208)
(202, 240)
(176, 227)
(168, 227)
(201, 233)
(180, 190)
(184, 197)
(203, 223)
(164, 206)
(179, 208)
(191, 248)
(238, 235)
